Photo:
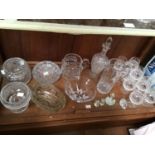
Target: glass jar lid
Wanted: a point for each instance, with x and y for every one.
(46, 72)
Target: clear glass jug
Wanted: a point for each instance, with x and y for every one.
(72, 65)
(78, 86)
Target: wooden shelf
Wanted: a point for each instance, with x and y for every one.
(73, 29)
(73, 117)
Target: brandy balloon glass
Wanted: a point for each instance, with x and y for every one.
(150, 97)
(136, 74)
(128, 84)
(133, 63)
(143, 84)
(136, 97)
(119, 65)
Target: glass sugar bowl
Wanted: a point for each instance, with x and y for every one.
(44, 93)
(15, 96)
(16, 70)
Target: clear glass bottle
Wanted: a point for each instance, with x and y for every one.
(44, 93)
(100, 60)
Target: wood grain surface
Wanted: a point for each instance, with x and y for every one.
(37, 46)
(74, 117)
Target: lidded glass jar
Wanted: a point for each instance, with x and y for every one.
(16, 70)
(44, 93)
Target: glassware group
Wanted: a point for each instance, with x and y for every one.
(81, 79)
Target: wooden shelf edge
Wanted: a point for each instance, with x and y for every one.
(73, 29)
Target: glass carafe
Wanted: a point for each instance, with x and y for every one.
(44, 93)
(100, 60)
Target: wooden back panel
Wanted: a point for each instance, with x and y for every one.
(37, 46)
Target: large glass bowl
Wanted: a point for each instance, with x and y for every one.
(15, 96)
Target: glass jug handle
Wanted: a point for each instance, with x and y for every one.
(85, 63)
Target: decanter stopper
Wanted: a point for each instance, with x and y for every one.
(106, 46)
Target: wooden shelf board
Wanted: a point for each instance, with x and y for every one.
(74, 115)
